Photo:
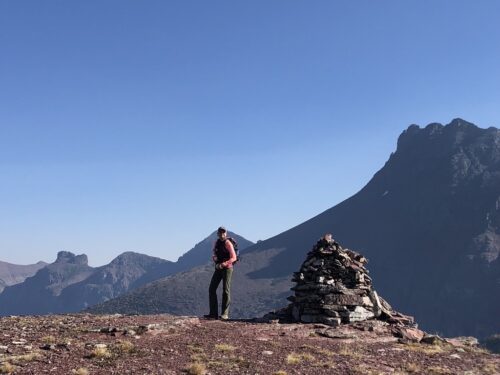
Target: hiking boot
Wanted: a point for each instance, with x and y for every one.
(211, 317)
(224, 317)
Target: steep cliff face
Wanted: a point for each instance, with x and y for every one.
(429, 221)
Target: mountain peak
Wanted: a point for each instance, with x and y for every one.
(69, 257)
(131, 257)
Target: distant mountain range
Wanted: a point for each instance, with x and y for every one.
(70, 284)
(11, 274)
(429, 221)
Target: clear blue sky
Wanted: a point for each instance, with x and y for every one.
(144, 125)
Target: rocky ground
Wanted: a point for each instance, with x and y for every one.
(164, 344)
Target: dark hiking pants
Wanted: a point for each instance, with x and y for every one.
(224, 275)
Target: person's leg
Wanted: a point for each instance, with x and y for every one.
(212, 293)
(226, 292)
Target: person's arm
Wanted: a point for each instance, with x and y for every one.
(232, 255)
(214, 257)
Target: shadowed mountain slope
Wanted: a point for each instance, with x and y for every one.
(38, 294)
(429, 221)
(11, 274)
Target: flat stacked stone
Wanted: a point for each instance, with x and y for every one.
(333, 287)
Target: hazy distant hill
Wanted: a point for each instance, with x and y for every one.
(70, 285)
(38, 294)
(11, 274)
(429, 221)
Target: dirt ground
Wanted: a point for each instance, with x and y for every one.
(163, 344)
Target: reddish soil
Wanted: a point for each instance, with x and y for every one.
(164, 344)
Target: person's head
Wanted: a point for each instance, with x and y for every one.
(222, 233)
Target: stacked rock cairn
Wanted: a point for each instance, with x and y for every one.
(333, 287)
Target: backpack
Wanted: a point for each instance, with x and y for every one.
(236, 250)
(224, 251)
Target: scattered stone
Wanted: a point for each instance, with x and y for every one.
(108, 330)
(408, 334)
(3, 348)
(463, 341)
(432, 340)
(48, 347)
(334, 334)
(19, 342)
(267, 352)
(129, 332)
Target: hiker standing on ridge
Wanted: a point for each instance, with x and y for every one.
(223, 256)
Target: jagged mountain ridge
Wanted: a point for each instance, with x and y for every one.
(429, 222)
(70, 284)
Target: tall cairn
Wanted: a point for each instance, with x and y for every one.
(333, 287)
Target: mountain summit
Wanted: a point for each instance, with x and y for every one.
(429, 221)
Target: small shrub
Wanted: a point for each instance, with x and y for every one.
(122, 347)
(196, 369)
(80, 371)
(195, 348)
(100, 352)
(293, 359)
(280, 372)
(226, 348)
(412, 367)
(25, 357)
(7, 368)
(242, 362)
(296, 358)
(49, 339)
(491, 368)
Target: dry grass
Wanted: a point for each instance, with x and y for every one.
(7, 368)
(123, 347)
(196, 369)
(280, 372)
(80, 371)
(100, 352)
(226, 348)
(491, 368)
(195, 348)
(199, 357)
(241, 362)
(350, 351)
(198, 353)
(318, 350)
(365, 370)
(48, 339)
(439, 370)
(24, 357)
(425, 348)
(323, 364)
(296, 358)
(412, 367)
